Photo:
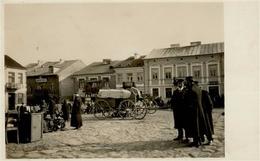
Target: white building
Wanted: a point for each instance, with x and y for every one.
(15, 84)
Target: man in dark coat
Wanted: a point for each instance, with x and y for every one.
(177, 106)
(76, 119)
(196, 122)
(207, 107)
(52, 107)
(65, 110)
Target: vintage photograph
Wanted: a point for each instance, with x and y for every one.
(114, 80)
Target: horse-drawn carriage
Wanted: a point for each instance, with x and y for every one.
(120, 103)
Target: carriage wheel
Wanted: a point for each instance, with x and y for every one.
(140, 110)
(152, 107)
(102, 109)
(126, 109)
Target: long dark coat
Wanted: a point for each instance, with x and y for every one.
(65, 110)
(177, 106)
(196, 123)
(76, 119)
(207, 107)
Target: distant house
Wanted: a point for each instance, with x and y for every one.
(15, 84)
(51, 78)
(95, 76)
(205, 62)
(130, 70)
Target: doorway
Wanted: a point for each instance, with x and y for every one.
(11, 101)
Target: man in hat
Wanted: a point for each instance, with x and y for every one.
(196, 119)
(177, 106)
(76, 119)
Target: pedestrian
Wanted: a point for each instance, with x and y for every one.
(207, 107)
(196, 123)
(65, 110)
(52, 107)
(76, 119)
(177, 105)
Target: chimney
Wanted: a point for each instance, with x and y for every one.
(51, 69)
(175, 45)
(195, 43)
(106, 61)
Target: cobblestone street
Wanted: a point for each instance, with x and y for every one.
(148, 138)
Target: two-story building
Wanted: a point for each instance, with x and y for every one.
(95, 76)
(205, 62)
(51, 78)
(130, 70)
(15, 84)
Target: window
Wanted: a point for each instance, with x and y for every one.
(168, 73)
(139, 77)
(155, 73)
(155, 92)
(129, 77)
(213, 70)
(106, 82)
(119, 78)
(20, 78)
(20, 98)
(11, 77)
(81, 83)
(196, 71)
(168, 92)
(92, 79)
(182, 71)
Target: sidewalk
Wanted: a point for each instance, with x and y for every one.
(148, 138)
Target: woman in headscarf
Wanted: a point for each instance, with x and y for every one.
(76, 119)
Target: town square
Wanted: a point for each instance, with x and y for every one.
(117, 80)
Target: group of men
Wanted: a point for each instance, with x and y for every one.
(192, 111)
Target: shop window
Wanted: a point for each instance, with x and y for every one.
(168, 92)
(155, 92)
(81, 83)
(20, 98)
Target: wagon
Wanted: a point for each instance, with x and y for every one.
(119, 103)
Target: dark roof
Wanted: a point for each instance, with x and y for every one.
(11, 63)
(97, 68)
(44, 68)
(131, 62)
(202, 49)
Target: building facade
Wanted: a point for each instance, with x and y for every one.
(205, 62)
(15, 84)
(95, 76)
(130, 70)
(51, 78)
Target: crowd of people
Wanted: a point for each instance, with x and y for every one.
(73, 114)
(192, 111)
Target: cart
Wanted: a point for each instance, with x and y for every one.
(119, 103)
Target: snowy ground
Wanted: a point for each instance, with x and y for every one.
(148, 138)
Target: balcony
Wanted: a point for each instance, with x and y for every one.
(13, 86)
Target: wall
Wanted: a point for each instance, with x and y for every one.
(134, 71)
(49, 87)
(203, 60)
(22, 88)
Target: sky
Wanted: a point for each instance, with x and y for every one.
(95, 31)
